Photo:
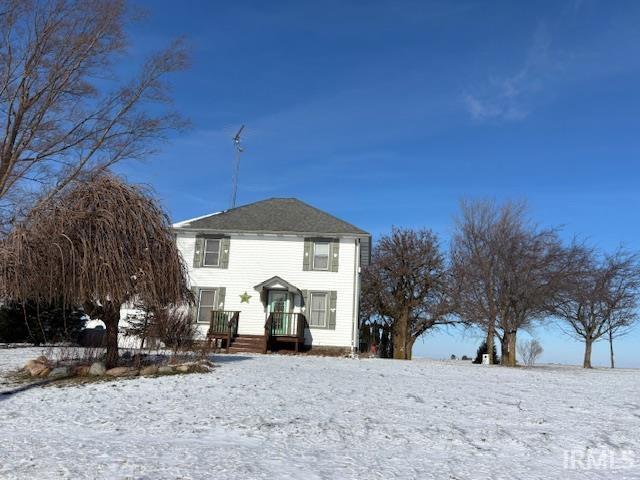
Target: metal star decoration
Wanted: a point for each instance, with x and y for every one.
(244, 297)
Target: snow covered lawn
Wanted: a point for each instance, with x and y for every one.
(311, 417)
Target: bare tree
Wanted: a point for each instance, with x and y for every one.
(616, 330)
(405, 286)
(100, 244)
(477, 290)
(171, 325)
(64, 112)
(623, 296)
(174, 327)
(535, 266)
(600, 299)
(530, 351)
(505, 271)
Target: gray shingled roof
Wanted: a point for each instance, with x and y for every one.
(273, 215)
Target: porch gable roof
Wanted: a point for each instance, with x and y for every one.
(277, 282)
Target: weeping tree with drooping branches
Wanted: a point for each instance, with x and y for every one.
(101, 244)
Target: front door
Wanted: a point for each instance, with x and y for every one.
(279, 307)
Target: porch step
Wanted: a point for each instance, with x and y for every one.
(246, 339)
(247, 344)
(246, 350)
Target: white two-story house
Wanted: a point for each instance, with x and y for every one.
(275, 274)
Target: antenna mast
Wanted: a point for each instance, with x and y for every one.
(236, 171)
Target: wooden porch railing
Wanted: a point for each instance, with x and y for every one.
(281, 324)
(224, 324)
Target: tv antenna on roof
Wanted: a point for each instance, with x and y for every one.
(236, 170)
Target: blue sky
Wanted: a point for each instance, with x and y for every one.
(388, 113)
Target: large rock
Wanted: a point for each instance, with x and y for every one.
(97, 369)
(82, 370)
(35, 367)
(183, 368)
(165, 369)
(60, 372)
(150, 370)
(121, 372)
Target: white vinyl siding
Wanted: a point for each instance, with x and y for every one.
(321, 255)
(318, 309)
(206, 303)
(211, 252)
(257, 258)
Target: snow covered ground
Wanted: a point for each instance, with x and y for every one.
(312, 418)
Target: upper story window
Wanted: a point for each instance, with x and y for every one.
(211, 252)
(321, 255)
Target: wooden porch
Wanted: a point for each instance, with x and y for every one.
(223, 326)
(287, 328)
(280, 329)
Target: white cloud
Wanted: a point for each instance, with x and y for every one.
(509, 98)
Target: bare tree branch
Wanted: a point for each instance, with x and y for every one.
(63, 115)
(505, 271)
(600, 298)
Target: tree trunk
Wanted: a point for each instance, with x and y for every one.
(587, 353)
(613, 364)
(111, 319)
(410, 342)
(491, 333)
(513, 359)
(504, 350)
(401, 347)
(509, 349)
(145, 331)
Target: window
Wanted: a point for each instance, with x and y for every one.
(206, 303)
(321, 255)
(211, 252)
(318, 310)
